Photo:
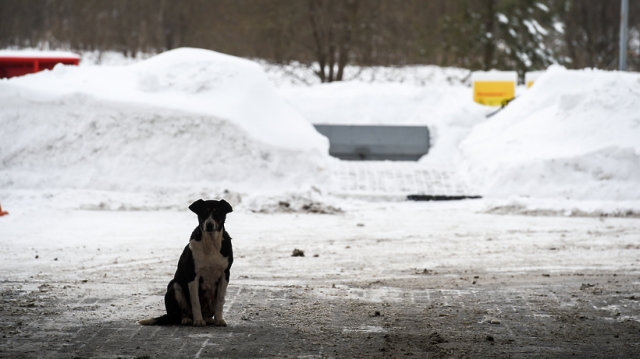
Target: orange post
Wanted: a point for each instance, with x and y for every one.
(2, 213)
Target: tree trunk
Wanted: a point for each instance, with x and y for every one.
(314, 10)
(350, 23)
(489, 24)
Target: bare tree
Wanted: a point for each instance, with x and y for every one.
(333, 23)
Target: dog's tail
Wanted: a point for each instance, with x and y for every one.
(163, 320)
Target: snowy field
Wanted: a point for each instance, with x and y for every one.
(129, 131)
(98, 164)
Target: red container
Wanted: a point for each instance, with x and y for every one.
(18, 63)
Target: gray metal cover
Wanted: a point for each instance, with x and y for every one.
(356, 142)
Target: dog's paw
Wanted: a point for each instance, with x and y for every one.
(219, 323)
(186, 321)
(199, 323)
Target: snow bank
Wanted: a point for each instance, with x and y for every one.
(187, 118)
(573, 135)
(439, 97)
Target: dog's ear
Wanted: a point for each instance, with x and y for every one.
(197, 206)
(224, 206)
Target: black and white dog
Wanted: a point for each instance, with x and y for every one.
(196, 293)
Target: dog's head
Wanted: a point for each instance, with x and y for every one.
(211, 214)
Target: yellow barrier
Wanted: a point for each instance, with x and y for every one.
(494, 88)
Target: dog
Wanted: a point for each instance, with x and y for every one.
(196, 293)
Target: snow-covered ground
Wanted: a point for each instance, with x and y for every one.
(122, 133)
(374, 240)
(79, 280)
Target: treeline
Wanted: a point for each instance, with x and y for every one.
(520, 35)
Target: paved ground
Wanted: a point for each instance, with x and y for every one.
(389, 280)
(520, 317)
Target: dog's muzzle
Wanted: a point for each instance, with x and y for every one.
(209, 227)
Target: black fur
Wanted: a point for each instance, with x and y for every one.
(185, 273)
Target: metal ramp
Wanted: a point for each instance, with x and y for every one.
(376, 142)
(398, 180)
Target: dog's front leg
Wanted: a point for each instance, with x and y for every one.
(219, 303)
(195, 303)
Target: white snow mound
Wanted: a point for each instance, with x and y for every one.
(187, 116)
(574, 135)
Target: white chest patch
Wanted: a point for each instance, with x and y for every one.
(209, 263)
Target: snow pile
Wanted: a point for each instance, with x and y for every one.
(438, 97)
(450, 114)
(574, 135)
(187, 119)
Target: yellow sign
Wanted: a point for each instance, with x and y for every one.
(493, 93)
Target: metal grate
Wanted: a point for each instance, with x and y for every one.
(396, 179)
